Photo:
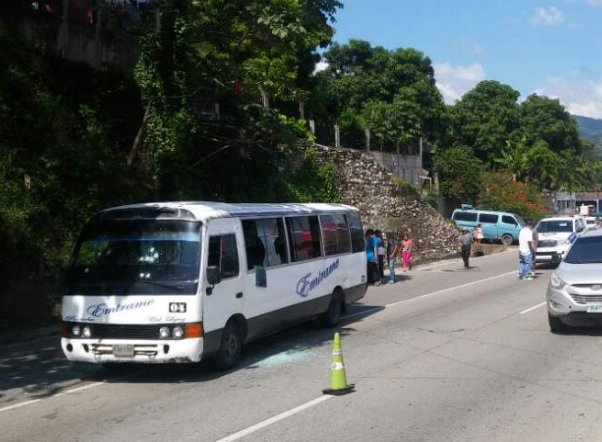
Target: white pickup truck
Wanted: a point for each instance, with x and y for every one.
(555, 235)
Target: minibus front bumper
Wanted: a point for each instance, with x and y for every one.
(137, 351)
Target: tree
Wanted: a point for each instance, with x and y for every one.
(459, 173)
(393, 92)
(485, 118)
(242, 55)
(514, 158)
(501, 192)
(543, 118)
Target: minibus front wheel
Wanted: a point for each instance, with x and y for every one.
(230, 348)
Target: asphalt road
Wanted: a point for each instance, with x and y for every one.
(446, 354)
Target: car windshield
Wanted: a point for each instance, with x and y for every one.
(128, 257)
(520, 220)
(585, 250)
(554, 226)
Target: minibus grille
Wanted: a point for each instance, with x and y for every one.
(120, 331)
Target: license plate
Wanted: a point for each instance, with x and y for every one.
(123, 350)
(594, 308)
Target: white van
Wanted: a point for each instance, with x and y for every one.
(555, 236)
(184, 281)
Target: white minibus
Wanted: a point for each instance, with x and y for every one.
(186, 281)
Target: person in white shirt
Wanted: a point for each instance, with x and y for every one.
(525, 252)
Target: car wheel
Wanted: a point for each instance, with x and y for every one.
(230, 348)
(331, 317)
(507, 239)
(556, 324)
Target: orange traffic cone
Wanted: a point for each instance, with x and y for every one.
(338, 379)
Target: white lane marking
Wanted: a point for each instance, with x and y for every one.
(532, 308)
(33, 401)
(22, 404)
(428, 295)
(438, 292)
(274, 419)
(291, 412)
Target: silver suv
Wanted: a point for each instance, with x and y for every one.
(574, 294)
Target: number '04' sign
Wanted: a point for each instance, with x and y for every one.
(177, 307)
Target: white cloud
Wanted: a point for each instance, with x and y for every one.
(454, 81)
(579, 96)
(550, 16)
(594, 2)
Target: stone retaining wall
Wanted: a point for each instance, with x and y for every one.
(390, 204)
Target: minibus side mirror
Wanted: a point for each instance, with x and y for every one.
(214, 275)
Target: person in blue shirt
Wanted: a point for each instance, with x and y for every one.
(371, 256)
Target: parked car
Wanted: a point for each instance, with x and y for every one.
(497, 226)
(555, 235)
(591, 222)
(574, 294)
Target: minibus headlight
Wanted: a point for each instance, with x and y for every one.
(164, 332)
(76, 330)
(556, 282)
(86, 332)
(177, 332)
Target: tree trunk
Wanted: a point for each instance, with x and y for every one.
(138, 139)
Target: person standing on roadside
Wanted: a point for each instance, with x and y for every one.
(465, 241)
(525, 252)
(406, 252)
(371, 254)
(380, 251)
(534, 256)
(392, 253)
(477, 234)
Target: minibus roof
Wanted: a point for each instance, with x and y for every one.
(205, 210)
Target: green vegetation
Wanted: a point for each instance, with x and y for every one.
(211, 113)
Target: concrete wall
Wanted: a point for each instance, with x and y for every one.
(406, 167)
(386, 205)
(86, 42)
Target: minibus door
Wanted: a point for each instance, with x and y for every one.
(224, 295)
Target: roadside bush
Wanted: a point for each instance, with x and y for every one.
(500, 192)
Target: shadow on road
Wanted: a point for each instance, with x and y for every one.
(39, 369)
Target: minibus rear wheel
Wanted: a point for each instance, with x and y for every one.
(331, 317)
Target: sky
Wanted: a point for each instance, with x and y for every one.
(551, 48)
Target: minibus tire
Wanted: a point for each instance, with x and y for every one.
(331, 317)
(507, 239)
(230, 348)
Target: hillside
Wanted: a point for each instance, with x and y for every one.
(591, 129)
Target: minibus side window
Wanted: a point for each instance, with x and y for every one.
(507, 219)
(335, 234)
(304, 237)
(265, 242)
(224, 255)
(488, 218)
(465, 216)
(357, 232)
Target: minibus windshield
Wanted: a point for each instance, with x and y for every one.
(129, 257)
